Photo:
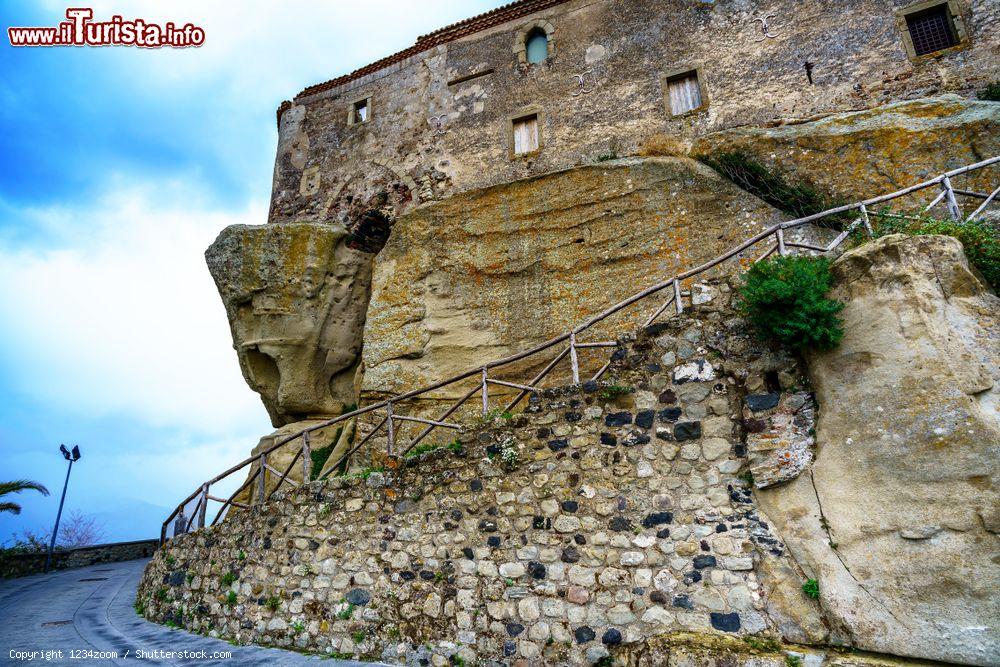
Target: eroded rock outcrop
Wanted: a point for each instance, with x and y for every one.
(296, 296)
(877, 150)
(898, 517)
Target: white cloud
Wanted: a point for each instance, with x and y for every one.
(117, 312)
(276, 47)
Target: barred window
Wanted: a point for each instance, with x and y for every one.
(931, 30)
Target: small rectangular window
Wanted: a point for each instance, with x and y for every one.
(684, 92)
(931, 30)
(360, 111)
(525, 134)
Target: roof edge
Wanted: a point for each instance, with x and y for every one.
(449, 33)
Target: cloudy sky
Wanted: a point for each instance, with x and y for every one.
(118, 166)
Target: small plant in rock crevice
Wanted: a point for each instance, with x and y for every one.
(231, 599)
(298, 626)
(811, 589)
(991, 93)
(785, 300)
(346, 612)
(509, 455)
(762, 643)
(273, 603)
(493, 415)
(227, 579)
(614, 391)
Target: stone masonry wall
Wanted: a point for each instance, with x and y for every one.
(592, 522)
(434, 131)
(20, 565)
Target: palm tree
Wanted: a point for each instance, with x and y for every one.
(17, 486)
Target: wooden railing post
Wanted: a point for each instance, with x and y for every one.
(261, 481)
(866, 221)
(677, 296)
(781, 242)
(306, 459)
(392, 429)
(573, 358)
(486, 394)
(204, 506)
(949, 196)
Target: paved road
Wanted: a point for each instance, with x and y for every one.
(90, 610)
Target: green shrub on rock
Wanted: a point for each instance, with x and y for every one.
(794, 198)
(785, 299)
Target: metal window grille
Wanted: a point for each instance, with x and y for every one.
(931, 30)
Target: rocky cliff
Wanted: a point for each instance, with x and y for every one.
(898, 517)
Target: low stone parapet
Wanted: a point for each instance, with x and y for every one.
(22, 564)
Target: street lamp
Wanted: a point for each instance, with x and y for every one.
(71, 457)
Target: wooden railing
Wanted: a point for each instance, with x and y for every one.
(568, 344)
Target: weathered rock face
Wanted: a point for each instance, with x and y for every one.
(490, 272)
(296, 295)
(878, 150)
(904, 487)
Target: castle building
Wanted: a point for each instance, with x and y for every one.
(541, 85)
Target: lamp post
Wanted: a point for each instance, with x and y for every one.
(71, 457)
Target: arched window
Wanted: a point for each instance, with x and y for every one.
(536, 44)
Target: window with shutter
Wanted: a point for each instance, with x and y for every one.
(361, 111)
(537, 46)
(525, 134)
(684, 92)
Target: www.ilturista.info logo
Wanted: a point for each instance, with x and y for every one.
(80, 30)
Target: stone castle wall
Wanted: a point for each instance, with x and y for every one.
(590, 521)
(440, 117)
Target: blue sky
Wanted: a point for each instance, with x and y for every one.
(118, 167)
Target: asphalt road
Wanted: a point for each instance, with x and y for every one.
(87, 614)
